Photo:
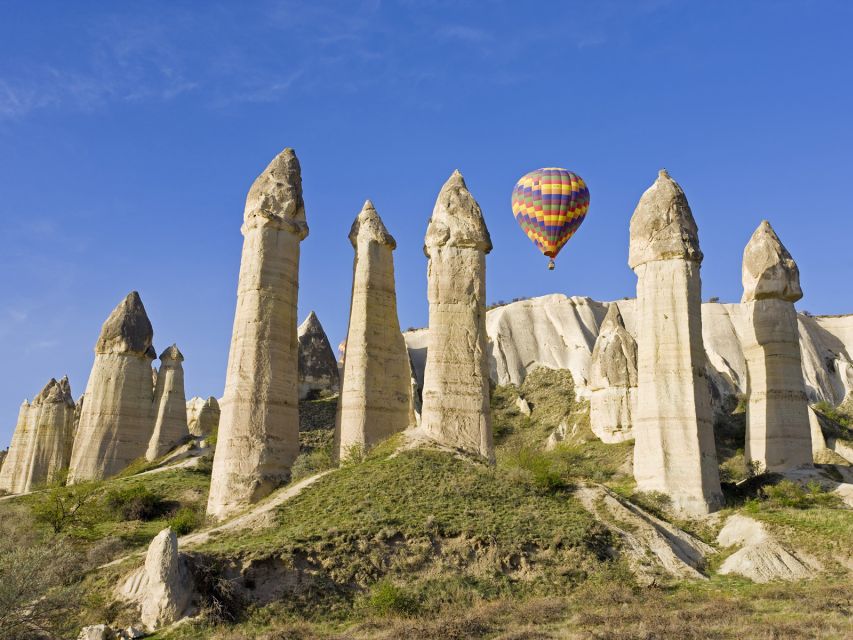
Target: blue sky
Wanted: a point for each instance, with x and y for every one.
(131, 132)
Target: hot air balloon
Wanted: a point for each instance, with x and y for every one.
(549, 205)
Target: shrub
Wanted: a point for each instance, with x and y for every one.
(220, 597)
(386, 598)
(790, 494)
(541, 470)
(135, 503)
(69, 509)
(655, 502)
(185, 521)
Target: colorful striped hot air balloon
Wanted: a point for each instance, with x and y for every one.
(549, 205)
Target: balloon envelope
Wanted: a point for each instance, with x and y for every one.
(549, 205)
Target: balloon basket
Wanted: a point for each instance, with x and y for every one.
(551, 265)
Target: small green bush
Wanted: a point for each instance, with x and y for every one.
(836, 414)
(135, 503)
(790, 494)
(541, 470)
(185, 521)
(69, 509)
(386, 598)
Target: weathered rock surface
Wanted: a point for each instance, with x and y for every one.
(559, 332)
(456, 378)
(259, 424)
(115, 422)
(95, 632)
(163, 587)
(651, 545)
(777, 423)
(202, 416)
(761, 558)
(673, 428)
(613, 380)
(318, 368)
(41, 444)
(170, 405)
(376, 391)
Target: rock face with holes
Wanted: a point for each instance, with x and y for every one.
(777, 421)
(170, 405)
(41, 445)
(258, 436)
(456, 376)
(376, 393)
(163, 588)
(613, 380)
(318, 368)
(673, 429)
(115, 421)
(202, 416)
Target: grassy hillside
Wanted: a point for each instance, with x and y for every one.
(423, 543)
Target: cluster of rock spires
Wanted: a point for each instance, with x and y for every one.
(652, 381)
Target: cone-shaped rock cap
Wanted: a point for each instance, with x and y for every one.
(662, 227)
(311, 326)
(275, 198)
(613, 320)
(55, 393)
(769, 271)
(127, 330)
(369, 226)
(172, 354)
(457, 220)
(614, 356)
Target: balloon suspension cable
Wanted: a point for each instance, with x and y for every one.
(551, 264)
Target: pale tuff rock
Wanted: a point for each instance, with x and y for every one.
(651, 546)
(170, 405)
(761, 558)
(52, 414)
(259, 423)
(12, 471)
(115, 422)
(769, 271)
(318, 368)
(95, 632)
(456, 377)
(523, 407)
(41, 444)
(202, 416)
(376, 392)
(613, 380)
(777, 421)
(673, 429)
(163, 587)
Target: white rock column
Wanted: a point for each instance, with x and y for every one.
(376, 393)
(258, 436)
(673, 429)
(52, 416)
(115, 421)
(455, 409)
(17, 459)
(203, 416)
(170, 405)
(778, 435)
(613, 380)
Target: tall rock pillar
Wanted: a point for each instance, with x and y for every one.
(115, 422)
(17, 459)
(258, 436)
(673, 429)
(170, 405)
(456, 376)
(613, 380)
(777, 417)
(52, 417)
(376, 393)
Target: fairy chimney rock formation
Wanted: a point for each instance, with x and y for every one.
(455, 394)
(52, 418)
(170, 405)
(115, 421)
(613, 380)
(673, 430)
(258, 437)
(12, 471)
(163, 588)
(318, 368)
(203, 416)
(376, 391)
(778, 436)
